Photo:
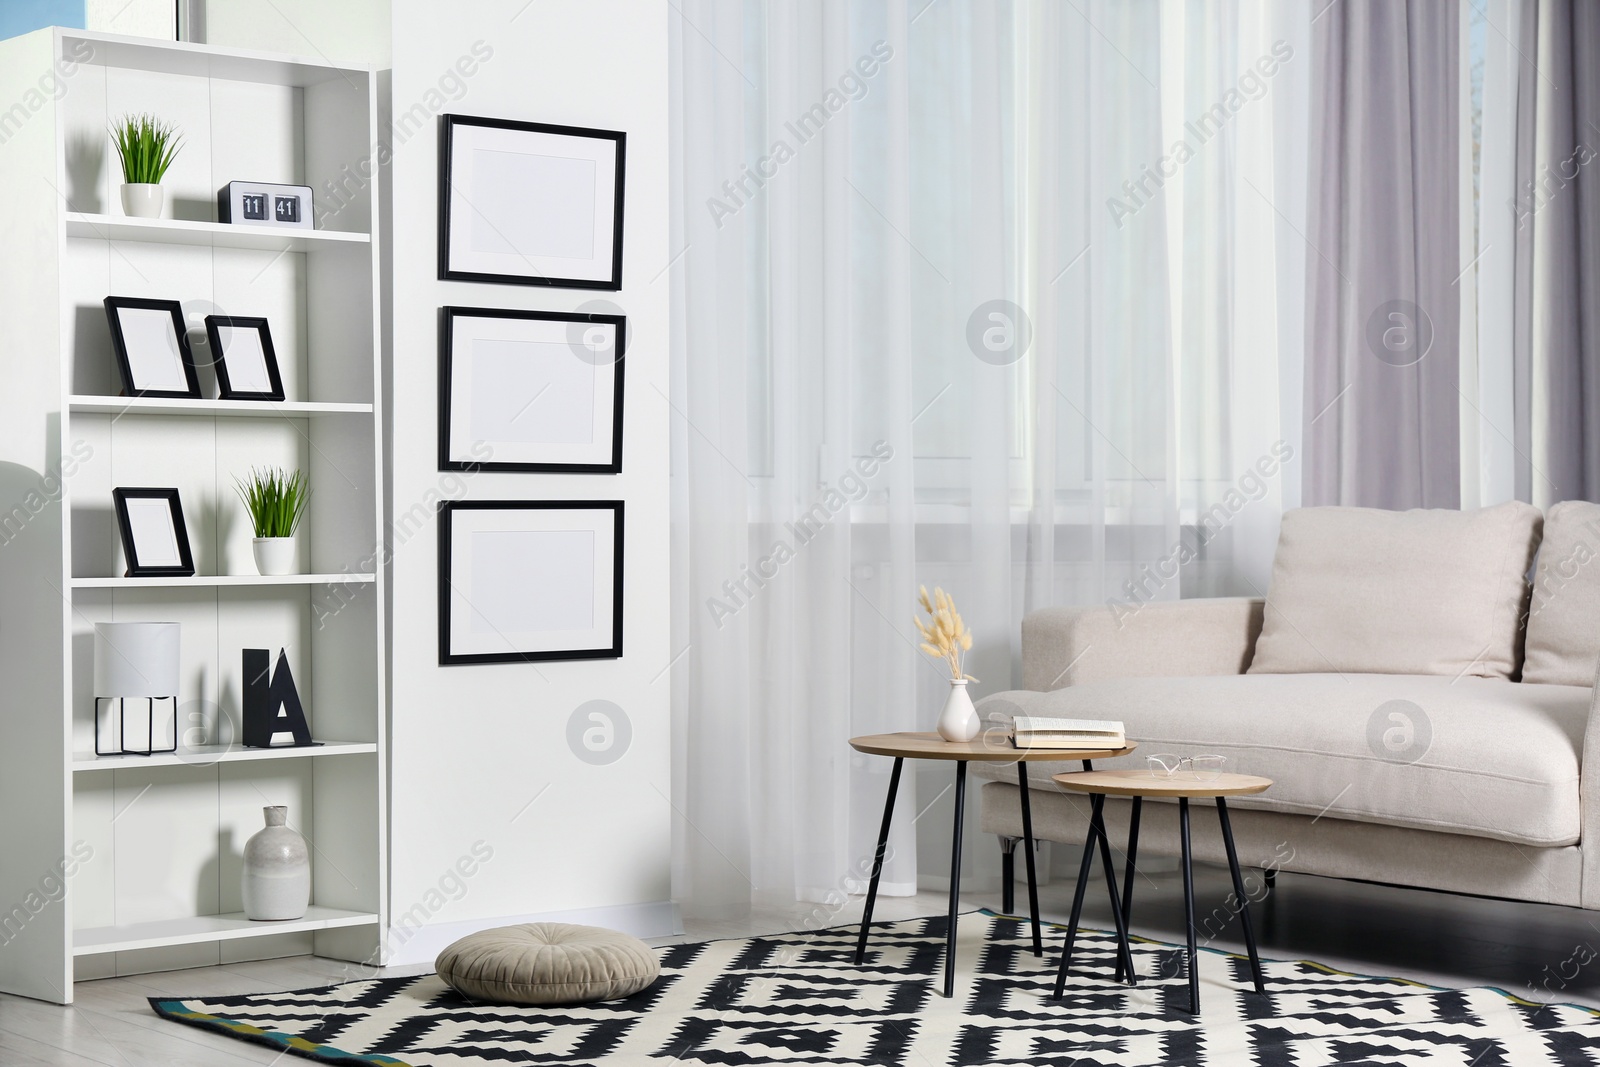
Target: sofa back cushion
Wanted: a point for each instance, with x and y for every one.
(1367, 591)
(1564, 622)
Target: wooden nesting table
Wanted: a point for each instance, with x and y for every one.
(1181, 786)
(992, 747)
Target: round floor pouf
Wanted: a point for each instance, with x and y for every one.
(548, 963)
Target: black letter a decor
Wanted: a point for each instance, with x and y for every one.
(271, 704)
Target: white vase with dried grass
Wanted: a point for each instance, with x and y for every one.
(946, 638)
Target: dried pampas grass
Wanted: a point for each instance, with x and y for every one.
(944, 635)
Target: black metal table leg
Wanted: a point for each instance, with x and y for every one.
(877, 859)
(1130, 871)
(1071, 937)
(1077, 911)
(1238, 891)
(1269, 902)
(1027, 844)
(1124, 952)
(1096, 837)
(1008, 874)
(1188, 906)
(955, 880)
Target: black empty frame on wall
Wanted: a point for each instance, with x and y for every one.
(527, 203)
(151, 343)
(523, 580)
(530, 391)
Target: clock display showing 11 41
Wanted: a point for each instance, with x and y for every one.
(265, 204)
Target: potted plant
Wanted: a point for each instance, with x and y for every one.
(946, 638)
(276, 500)
(147, 148)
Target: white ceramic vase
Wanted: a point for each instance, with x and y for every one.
(142, 200)
(276, 883)
(274, 555)
(959, 720)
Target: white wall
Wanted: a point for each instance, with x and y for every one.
(480, 753)
(474, 746)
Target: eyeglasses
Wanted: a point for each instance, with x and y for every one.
(1201, 768)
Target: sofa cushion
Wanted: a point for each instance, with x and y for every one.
(1564, 622)
(1485, 757)
(1399, 592)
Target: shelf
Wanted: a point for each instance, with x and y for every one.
(206, 755)
(206, 234)
(224, 581)
(202, 61)
(202, 928)
(258, 409)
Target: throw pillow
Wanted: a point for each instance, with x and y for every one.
(1564, 622)
(1399, 592)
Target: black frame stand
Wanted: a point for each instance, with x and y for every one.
(955, 867)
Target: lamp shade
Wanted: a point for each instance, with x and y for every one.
(136, 659)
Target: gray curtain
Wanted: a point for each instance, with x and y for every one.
(1556, 325)
(1382, 423)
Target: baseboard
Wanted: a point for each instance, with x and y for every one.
(410, 947)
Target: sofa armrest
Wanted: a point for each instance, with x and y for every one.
(1589, 803)
(1178, 638)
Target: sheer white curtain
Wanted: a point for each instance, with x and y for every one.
(949, 312)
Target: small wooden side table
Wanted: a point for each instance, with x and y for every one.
(985, 748)
(1181, 786)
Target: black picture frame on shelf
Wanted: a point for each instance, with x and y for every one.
(530, 203)
(531, 391)
(154, 537)
(246, 362)
(523, 581)
(151, 343)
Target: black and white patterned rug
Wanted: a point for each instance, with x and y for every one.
(798, 998)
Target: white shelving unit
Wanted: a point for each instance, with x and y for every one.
(214, 234)
(205, 755)
(223, 581)
(114, 865)
(121, 406)
(206, 929)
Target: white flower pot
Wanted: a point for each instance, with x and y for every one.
(959, 720)
(142, 200)
(275, 882)
(274, 555)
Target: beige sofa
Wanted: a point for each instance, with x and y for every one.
(1423, 712)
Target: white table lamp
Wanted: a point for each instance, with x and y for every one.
(135, 687)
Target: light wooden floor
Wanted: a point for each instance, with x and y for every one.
(1430, 937)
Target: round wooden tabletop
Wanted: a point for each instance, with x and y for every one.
(1145, 783)
(991, 746)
